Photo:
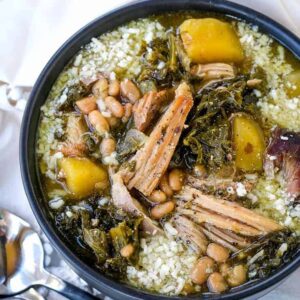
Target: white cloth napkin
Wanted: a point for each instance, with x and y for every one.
(30, 32)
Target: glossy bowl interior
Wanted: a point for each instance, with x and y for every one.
(29, 167)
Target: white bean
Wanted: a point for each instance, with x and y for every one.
(107, 146)
(114, 106)
(203, 268)
(100, 88)
(98, 122)
(114, 88)
(217, 252)
(176, 178)
(87, 104)
(160, 210)
(158, 196)
(130, 91)
(216, 283)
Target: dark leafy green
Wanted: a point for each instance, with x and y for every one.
(161, 64)
(103, 232)
(74, 93)
(183, 57)
(132, 141)
(272, 255)
(96, 239)
(207, 139)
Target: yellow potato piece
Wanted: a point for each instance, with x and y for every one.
(294, 79)
(210, 40)
(83, 176)
(248, 142)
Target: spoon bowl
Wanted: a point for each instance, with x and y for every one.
(25, 267)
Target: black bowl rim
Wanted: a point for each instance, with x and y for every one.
(27, 141)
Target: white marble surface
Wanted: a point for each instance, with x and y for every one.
(30, 31)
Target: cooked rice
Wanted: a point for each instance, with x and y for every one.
(276, 106)
(164, 266)
(271, 199)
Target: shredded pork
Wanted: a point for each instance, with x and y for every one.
(145, 109)
(200, 217)
(225, 213)
(191, 233)
(74, 144)
(213, 71)
(153, 159)
(227, 185)
(121, 198)
(283, 152)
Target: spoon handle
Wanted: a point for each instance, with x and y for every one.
(31, 294)
(66, 289)
(3, 268)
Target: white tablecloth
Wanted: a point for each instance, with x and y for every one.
(30, 32)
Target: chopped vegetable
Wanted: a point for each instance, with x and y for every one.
(210, 40)
(83, 176)
(172, 55)
(269, 256)
(133, 140)
(160, 63)
(119, 236)
(183, 57)
(104, 230)
(74, 93)
(207, 137)
(97, 240)
(248, 143)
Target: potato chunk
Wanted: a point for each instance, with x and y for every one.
(83, 176)
(210, 40)
(248, 142)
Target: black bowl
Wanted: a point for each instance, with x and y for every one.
(29, 167)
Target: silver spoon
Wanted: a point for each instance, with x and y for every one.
(31, 294)
(28, 270)
(2, 256)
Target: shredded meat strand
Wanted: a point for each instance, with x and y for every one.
(200, 216)
(121, 198)
(146, 108)
(213, 71)
(228, 236)
(218, 183)
(190, 233)
(284, 152)
(229, 209)
(153, 158)
(215, 238)
(74, 144)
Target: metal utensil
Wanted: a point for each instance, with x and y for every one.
(28, 269)
(3, 271)
(31, 294)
